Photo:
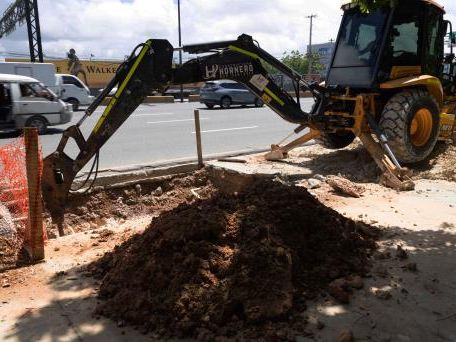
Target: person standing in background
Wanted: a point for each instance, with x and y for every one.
(75, 67)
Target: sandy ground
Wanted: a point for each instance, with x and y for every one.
(409, 295)
(54, 300)
(417, 299)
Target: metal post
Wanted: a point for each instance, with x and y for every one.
(310, 42)
(35, 234)
(30, 30)
(38, 31)
(180, 44)
(199, 148)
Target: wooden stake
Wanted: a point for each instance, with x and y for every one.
(199, 148)
(35, 234)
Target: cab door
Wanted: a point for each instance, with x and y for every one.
(34, 99)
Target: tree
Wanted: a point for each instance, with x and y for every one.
(299, 62)
(372, 5)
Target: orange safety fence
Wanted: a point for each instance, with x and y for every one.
(13, 183)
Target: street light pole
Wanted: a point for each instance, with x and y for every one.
(310, 42)
(180, 44)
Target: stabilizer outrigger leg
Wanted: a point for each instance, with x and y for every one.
(394, 176)
(281, 152)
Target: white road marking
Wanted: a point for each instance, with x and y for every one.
(168, 121)
(154, 114)
(227, 129)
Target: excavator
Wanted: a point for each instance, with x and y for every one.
(390, 84)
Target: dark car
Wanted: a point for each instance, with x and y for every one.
(226, 93)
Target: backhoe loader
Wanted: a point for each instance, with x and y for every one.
(389, 84)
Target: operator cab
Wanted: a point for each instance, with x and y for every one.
(388, 43)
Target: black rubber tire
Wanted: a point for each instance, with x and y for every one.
(397, 117)
(259, 102)
(209, 105)
(336, 141)
(74, 103)
(225, 102)
(38, 122)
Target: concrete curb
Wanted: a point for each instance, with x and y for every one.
(148, 99)
(132, 174)
(193, 98)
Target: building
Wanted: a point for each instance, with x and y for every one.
(325, 51)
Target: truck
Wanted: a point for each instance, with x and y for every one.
(68, 87)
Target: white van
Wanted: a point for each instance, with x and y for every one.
(70, 88)
(25, 102)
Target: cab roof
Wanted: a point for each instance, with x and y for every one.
(430, 2)
(7, 78)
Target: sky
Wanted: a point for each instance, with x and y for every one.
(110, 29)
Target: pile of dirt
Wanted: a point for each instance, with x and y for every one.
(440, 165)
(90, 211)
(242, 263)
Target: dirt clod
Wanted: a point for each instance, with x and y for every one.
(158, 191)
(231, 263)
(345, 186)
(346, 335)
(401, 253)
(383, 294)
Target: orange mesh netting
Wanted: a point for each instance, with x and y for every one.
(13, 182)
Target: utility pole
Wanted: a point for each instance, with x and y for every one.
(180, 44)
(310, 42)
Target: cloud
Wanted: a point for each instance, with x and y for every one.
(111, 28)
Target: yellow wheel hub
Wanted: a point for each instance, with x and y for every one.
(421, 127)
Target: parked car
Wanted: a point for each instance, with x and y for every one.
(226, 93)
(25, 102)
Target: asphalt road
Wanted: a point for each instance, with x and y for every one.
(160, 133)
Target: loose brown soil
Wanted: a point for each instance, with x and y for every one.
(231, 264)
(356, 164)
(440, 165)
(90, 211)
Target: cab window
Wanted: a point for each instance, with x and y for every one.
(26, 91)
(234, 86)
(35, 90)
(360, 38)
(405, 37)
(71, 80)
